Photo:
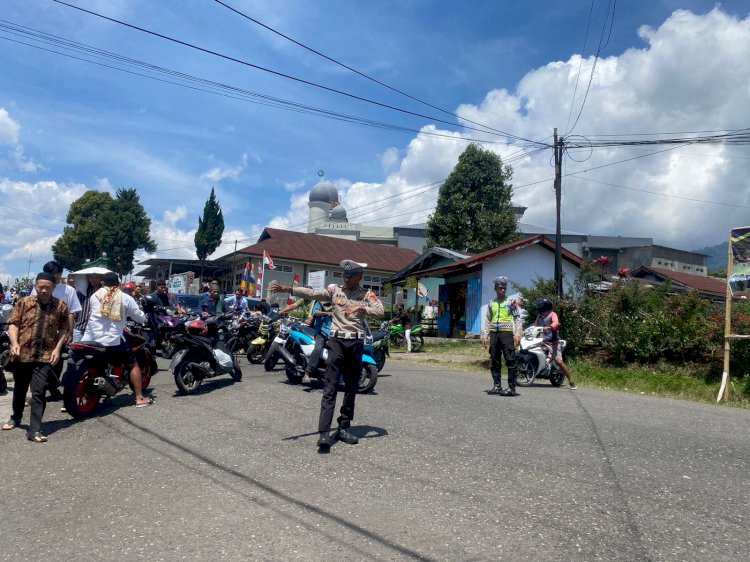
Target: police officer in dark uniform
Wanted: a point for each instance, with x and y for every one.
(349, 306)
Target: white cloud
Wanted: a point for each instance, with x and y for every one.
(218, 173)
(389, 158)
(673, 84)
(9, 129)
(294, 185)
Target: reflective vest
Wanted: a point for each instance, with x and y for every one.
(501, 317)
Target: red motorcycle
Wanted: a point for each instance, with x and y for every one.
(90, 376)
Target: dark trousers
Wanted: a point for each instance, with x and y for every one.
(320, 342)
(345, 356)
(36, 375)
(503, 347)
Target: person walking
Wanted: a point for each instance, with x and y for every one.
(349, 305)
(38, 328)
(548, 320)
(502, 331)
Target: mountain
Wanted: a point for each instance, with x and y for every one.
(717, 256)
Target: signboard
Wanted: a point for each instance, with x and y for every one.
(739, 240)
(178, 283)
(316, 279)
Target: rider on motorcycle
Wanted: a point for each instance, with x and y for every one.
(237, 304)
(321, 315)
(110, 308)
(550, 326)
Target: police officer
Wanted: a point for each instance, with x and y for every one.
(349, 306)
(502, 331)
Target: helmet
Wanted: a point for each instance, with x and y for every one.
(129, 286)
(197, 327)
(150, 302)
(543, 305)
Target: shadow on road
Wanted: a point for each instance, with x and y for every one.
(333, 536)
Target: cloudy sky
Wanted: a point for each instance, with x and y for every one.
(523, 68)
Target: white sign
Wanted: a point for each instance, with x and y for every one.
(316, 279)
(178, 283)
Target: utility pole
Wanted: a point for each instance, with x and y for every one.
(233, 278)
(558, 232)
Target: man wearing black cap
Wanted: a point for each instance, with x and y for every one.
(37, 329)
(110, 308)
(502, 332)
(349, 306)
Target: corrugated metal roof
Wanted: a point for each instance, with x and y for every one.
(705, 285)
(313, 248)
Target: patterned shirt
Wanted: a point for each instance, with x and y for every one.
(39, 327)
(341, 299)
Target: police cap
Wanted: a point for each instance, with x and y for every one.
(352, 267)
(500, 281)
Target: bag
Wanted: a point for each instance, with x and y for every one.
(224, 360)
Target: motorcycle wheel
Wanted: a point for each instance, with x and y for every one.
(186, 381)
(168, 350)
(556, 376)
(367, 378)
(145, 377)
(524, 373)
(237, 374)
(417, 342)
(80, 398)
(397, 340)
(271, 362)
(292, 375)
(255, 354)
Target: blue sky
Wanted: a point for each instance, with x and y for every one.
(67, 126)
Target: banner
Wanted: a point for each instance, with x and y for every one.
(739, 240)
(316, 279)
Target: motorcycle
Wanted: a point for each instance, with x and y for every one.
(164, 323)
(90, 376)
(5, 310)
(397, 335)
(533, 359)
(242, 332)
(202, 354)
(257, 352)
(376, 346)
(295, 343)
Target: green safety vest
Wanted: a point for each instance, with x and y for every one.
(501, 318)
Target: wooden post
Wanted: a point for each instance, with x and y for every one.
(724, 389)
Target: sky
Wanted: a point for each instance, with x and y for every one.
(487, 72)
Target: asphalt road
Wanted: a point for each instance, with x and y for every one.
(442, 472)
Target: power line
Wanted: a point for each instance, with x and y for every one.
(276, 72)
(580, 63)
(368, 77)
(210, 86)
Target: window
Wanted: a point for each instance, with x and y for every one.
(337, 275)
(285, 268)
(367, 278)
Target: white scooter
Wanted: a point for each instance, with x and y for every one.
(534, 361)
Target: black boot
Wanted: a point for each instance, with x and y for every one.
(324, 442)
(343, 435)
(495, 390)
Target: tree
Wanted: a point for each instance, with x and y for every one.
(210, 228)
(128, 229)
(79, 240)
(474, 212)
(97, 224)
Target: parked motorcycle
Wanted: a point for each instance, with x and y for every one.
(202, 354)
(242, 332)
(376, 345)
(296, 342)
(89, 375)
(258, 350)
(533, 359)
(397, 335)
(5, 310)
(164, 323)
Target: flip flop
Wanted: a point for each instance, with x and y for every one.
(37, 437)
(10, 424)
(144, 404)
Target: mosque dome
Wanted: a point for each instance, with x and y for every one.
(338, 214)
(324, 192)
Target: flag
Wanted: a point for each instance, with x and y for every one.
(245, 277)
(267, 260)
(296, 279)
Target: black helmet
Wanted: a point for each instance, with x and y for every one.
(543, 305)
(150, 302)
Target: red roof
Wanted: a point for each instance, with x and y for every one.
(477, 259)
(314, 248)
(705, 285)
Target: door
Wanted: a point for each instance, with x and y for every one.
(474, 306)
(444, 311)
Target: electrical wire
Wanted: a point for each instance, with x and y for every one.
(362, 74)
(276, 72)
(580, 64)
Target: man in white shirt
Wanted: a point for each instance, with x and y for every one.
(110, 308)
(64, 292)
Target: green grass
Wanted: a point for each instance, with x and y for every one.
(693, 382)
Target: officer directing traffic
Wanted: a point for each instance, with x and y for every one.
(502, 331)
(349, 306)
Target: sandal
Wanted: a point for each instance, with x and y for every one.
(10, 424)
(144, 404)
(37, 437)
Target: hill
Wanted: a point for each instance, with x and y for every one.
(717, 256)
